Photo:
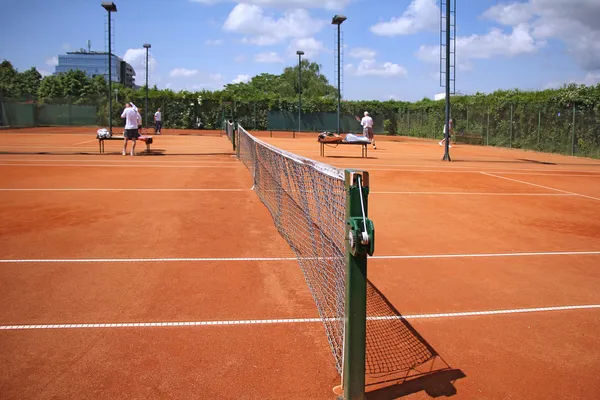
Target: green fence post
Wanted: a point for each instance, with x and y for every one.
(539, 125)
(511, 126)
(360, 242)
(487, 135)
(573, 133)
(467, 119)
(70, 110)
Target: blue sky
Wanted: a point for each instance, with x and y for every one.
(391, 47)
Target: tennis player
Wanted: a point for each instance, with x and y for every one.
(441, 143)
(367, 124)
(132, 119)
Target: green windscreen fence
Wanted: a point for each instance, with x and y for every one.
(318, 122)
(26, 114)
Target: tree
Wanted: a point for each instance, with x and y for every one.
(314, 84)
(51, 88)
(29, 82)
(8, 78)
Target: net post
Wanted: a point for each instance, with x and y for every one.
(358, 228)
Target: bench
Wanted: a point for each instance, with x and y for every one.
(363, 144)
(468, 138)
(144, 138)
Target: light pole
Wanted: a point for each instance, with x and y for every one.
(447, 115)
(300, 54)
(337, 20)
(147, 46)
(110, 7)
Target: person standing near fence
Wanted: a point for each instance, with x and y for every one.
(131, 132)
(367, 124)
(441, 143)
(157, 122)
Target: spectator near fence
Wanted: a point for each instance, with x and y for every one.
(157, 122)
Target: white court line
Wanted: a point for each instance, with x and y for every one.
(389, 257)
(123, 165)
(138, 161)
(541, 186)
(292, 320)
(474, 193)
(244, 190)
(119, 190)
(87, 141)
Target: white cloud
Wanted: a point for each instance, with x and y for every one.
(215, 77)
(372, 68)
(183, 72)
(421, 15)
(590, 79)
(575, 24)
(241, 78)
(493, 44)
(137, 59)
(509, 14)
(311, 47)
(268, 58)
(239, 58)
(362, 53)
(264, 30)
(215, 42)
(53, 61)
(292, 4)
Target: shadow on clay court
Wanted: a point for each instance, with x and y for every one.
(399, 360)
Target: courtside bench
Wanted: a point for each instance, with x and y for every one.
(146, 139)
(469, 138)
(335, 144)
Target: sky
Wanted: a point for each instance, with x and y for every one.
(390, 47)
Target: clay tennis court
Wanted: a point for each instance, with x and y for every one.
(163, 276)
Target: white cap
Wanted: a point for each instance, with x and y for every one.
(366, 113)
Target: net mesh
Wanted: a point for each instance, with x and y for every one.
(307, 202)
(229, 130)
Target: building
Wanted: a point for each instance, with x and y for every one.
(95, 63)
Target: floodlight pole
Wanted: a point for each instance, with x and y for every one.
(300, 53)
(337, 20)
(147, 46)
(447, 117)
(109, 7)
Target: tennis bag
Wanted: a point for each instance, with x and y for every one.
(329, 137)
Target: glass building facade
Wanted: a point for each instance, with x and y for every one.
(96, 63)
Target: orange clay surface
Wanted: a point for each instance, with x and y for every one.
(130, 221)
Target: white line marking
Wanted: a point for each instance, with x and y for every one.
(119, 190)
(134, 161)
(123, 165)
(540, 186)
(202, 259)
(291, 320)
(87, 141)
(475, 193)
(243, 190)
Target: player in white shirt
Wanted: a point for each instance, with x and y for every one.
(132, 121)
(367, 124)
(158, 121)
(441, 143)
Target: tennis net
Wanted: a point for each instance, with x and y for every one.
(230, 131)
(307, 201)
